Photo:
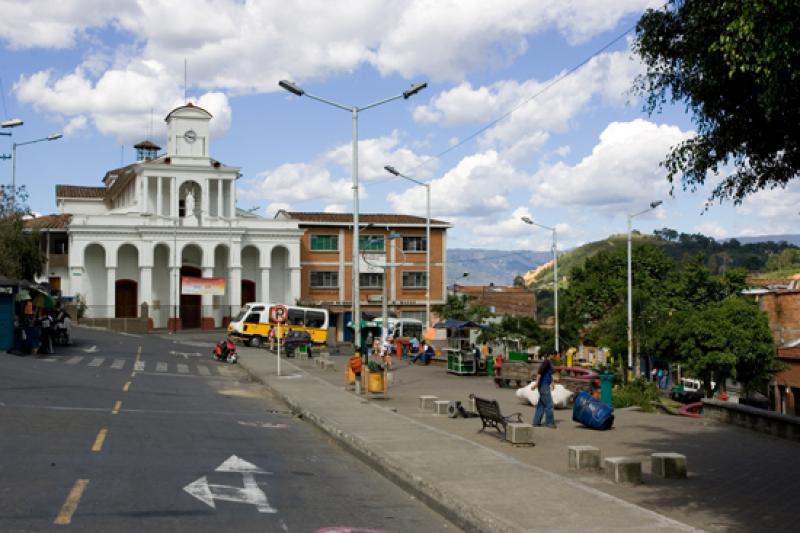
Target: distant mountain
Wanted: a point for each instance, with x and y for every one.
(791, 239)
(491, 266)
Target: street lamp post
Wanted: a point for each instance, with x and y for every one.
(51, 137)
(354, 111)
(385, 291)
(392, 170)
(528, 220)
(653, 205)
(455, 284)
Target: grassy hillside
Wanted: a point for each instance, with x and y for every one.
(756, 257)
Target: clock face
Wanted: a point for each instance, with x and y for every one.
(190, 136)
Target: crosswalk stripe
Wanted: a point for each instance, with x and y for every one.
(161, 367)
(203, 370)
(97, 361)
(224, 371)
(74, 360)
(118, 364)
(138, 366)
(183, 369)
(49, 359)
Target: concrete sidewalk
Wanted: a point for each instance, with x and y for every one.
(478, 486)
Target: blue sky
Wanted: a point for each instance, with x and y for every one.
(579, 156)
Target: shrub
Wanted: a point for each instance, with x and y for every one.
(640, 392)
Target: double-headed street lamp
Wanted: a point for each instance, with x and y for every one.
(354, 111)
(51, 137)
(527, 220)
(12, 123)
(392, 170)
(653, 205)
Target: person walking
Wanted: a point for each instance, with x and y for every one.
(544, 382)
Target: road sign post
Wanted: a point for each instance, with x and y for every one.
(277, 313)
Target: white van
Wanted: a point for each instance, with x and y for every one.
(402, 327)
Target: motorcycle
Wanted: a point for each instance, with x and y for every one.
(225, 351)
(62, 328)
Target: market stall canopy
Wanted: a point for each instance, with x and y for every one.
(44, 300)
(23, 295)
(452, 323)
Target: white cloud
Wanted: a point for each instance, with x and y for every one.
(296, 182)
(712, 229)
(336, 208)
(621, 173)
(771, 212)
(527, 129)
(75, 124)
(273, 208)
(374, 154)
(479, 185)
(120, 101)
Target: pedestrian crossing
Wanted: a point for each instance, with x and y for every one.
(144, 367)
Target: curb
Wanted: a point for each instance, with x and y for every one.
(454, 509)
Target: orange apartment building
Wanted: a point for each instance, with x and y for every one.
(326, 264)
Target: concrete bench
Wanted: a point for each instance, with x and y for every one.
(327, 364)
(321, 361)
(623, 469)
(440, 407)
(668, 465)
(583, 458)
(519, 434)
(426, 402)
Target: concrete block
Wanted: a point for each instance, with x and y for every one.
(327, 364)
(440, 407)
(471, 404)
(623, 470)
(583, 458)
(519, 434)
(668, 465)
(426, 402)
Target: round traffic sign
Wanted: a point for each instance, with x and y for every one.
(278, 313)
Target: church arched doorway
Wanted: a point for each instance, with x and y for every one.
(125, 298)
(248, 291)
(191, 304)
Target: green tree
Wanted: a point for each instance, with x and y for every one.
(735, 64)
(21, 256)
(730, 338)
(460, 307)
(519, 281)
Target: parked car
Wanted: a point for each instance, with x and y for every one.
(294, 339)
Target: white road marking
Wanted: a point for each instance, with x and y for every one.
(97, 361)
(265, 425)
(224, 371)
(91, 349)
(138, 366)
(185, 355)
(250, 494)
(74, 360)
(183, 369)
(49, 359)
(118, 364)
(203, 370)
(161, 367)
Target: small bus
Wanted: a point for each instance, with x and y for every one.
(252, 325)
(402, 327)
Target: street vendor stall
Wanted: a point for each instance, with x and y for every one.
(460, 350)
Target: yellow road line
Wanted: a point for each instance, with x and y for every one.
(73, 498)
(98, 442)
(117, 406)
(126, 387)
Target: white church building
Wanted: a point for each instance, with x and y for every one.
(159, 224)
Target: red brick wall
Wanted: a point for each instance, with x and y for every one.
(783, 312)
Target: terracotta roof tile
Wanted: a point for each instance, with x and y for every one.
(49, 222)
(364, 218)
(79, 191)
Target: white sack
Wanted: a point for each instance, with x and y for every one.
(561, 395)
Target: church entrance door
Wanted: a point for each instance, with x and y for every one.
(191, 304)
(125, 298)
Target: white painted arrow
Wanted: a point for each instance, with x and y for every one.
(91, 349)
(250, 494)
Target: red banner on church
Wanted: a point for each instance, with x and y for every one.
(203, 286)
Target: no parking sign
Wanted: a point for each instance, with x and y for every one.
(278, 313)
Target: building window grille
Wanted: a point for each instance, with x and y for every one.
(370, 280)
(371, 243)
(324, 280)
(413, 280)
(415, 244)
(324, 243)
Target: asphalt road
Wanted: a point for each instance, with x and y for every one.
(140, 433)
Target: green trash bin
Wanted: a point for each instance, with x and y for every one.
(490, 365)
(606, 388)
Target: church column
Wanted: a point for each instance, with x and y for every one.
(146, 292)
(263, 286)
(294, 286)
(174, 320)
(207, 301)
(220, 204)
(173, 197)
(159, 198)
(111, 291)
(205, 192)
(235, 285)
(231, 199)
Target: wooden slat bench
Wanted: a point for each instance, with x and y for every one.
(491, 417)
